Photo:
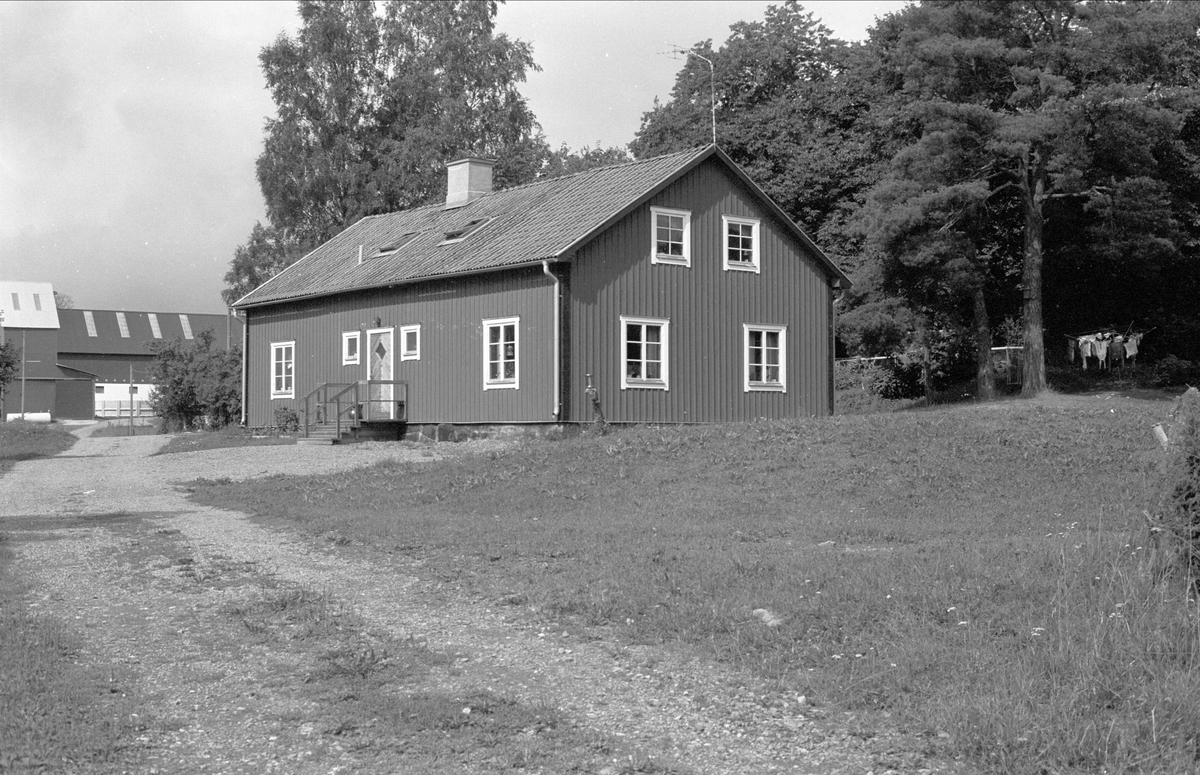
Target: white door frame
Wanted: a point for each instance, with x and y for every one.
(380, 399)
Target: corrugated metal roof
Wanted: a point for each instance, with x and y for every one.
(27, 305)
(75, 334)
(530, 223)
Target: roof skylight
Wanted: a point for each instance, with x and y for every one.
(395, 245)
(466, 230)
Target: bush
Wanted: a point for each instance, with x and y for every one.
(1171, 371)
(1178, 513)
(195, 383)
(286, 419)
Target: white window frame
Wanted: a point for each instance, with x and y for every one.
(755, 238)
(663, 382)
(763, 386)
(502, 384)
(288, 389)
(347, 338)
(405, 353)
(667, 258)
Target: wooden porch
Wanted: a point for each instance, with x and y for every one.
(366, 410)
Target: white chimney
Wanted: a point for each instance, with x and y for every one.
(467, 180)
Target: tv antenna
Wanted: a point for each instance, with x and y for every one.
(675, 51)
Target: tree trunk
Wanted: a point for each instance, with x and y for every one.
(1033, 356)
(985, 383)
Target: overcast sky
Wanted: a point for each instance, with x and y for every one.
(128, 131)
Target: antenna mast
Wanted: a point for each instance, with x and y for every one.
(712, 88)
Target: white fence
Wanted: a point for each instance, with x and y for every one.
(121, 409)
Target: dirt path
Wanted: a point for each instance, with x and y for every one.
(115, 548)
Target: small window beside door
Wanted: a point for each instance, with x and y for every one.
(410, 343)
(350, 348)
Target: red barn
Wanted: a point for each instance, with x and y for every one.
(673, 286)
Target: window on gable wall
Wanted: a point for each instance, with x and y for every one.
(410, 343)
(765, 363)
(672, 236)
(37, 302)
(350, 343)
(645, 344)
(282, 369)
(16, 303)
(500, 353)
(741, 243)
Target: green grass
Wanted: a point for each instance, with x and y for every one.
(366, 690)
(21, 440)
(981, 573)
(119, 428)
(232, 436)
(56, 715)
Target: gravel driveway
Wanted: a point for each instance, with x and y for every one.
(86, 518)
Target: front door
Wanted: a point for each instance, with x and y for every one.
(380, 405)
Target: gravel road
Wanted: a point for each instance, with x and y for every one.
(81, 518)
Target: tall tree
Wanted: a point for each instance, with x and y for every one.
(1052, 89)
(372, 99)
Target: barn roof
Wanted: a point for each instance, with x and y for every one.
(27, 305)
(546, 220)
(118, 332)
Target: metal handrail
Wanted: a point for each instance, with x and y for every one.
(323, 400)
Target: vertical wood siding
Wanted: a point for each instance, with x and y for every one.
(446, 384)
(706, 305)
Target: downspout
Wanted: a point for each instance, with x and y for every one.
(841, 293)
(245, 367)
(557, 345)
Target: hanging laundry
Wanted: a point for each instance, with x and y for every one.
(1100, 349)
(1085, 350)
(1131, 345)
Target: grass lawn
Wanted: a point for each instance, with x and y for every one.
(981, 573)
(21, 440)
(233, 436)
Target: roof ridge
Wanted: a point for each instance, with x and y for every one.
(605, 168)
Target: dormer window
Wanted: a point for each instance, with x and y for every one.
(394, 245)
(466, 230)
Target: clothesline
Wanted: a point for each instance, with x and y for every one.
(1107, 346)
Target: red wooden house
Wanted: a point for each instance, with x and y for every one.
(673, 287)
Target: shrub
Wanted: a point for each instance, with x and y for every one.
(286, 419)
(1174, 371)
(195, 382)
(1178, 517)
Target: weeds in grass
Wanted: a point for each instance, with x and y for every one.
(981, 572)
(56, 715)
(20, 440)
(224, 438)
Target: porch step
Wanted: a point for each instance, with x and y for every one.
(323, 434)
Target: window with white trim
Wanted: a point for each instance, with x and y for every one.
(283, 355)
(410, 343)
(764, 358)
(741, 243)
(671, 236)
(501, 350)
(645, 347)
(350, 347)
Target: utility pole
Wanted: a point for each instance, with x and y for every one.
(131, 399)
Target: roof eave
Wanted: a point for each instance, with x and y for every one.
(392, 283)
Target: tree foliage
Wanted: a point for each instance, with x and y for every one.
(1068, 107)
(372, 99)
(196, 382)
(10, 364)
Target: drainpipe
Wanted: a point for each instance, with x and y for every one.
(245, 367)
(557, 346)
(841, 293)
